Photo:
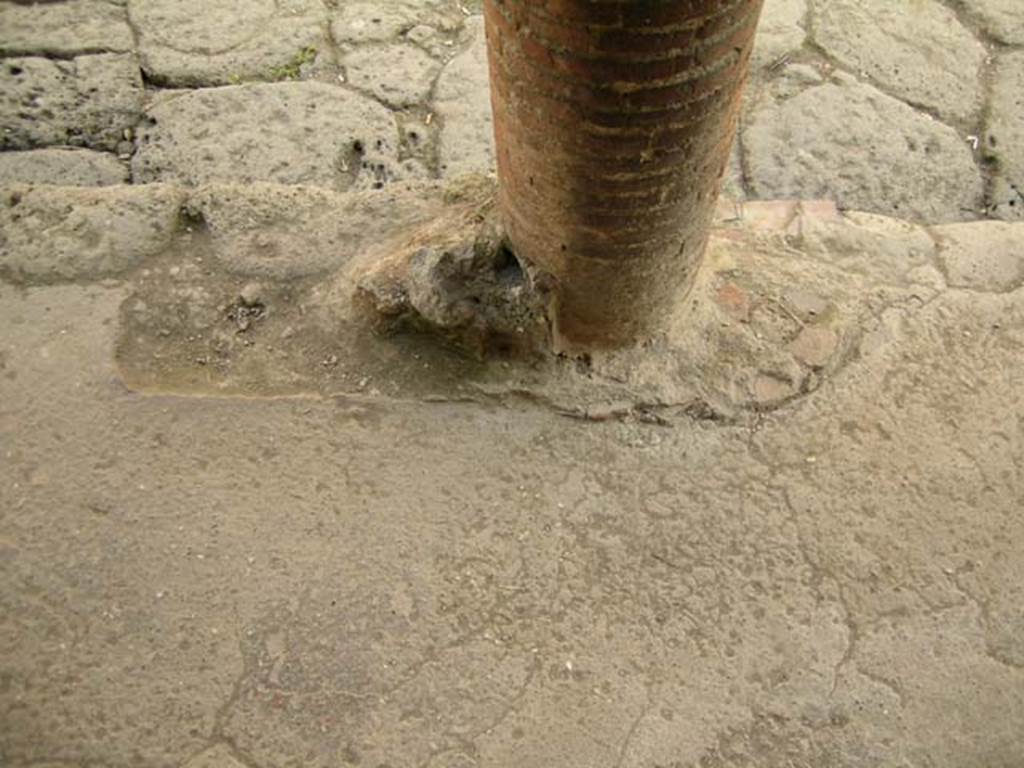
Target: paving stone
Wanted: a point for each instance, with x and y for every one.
(212, 42)
(87, 101)
(462, 99)
(398, 74)
(1003, 19)
(291, 133)
(61, 166)
(364, 22)
(917, 51)
(781, 30)
(849, 142)
(268, 231)
(1004, 142)
(71, 28)
(983, 256)
(63, 233)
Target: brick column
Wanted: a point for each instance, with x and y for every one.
(614, 120)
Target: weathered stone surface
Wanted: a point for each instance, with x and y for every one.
(398, 74)
(983, 256)
(69, 167)
(88, 101)
(270, 231)
(214, 42)
(70, 28)
(292, 133)
(1003, 19)
(51, 234)
(782, 30)
(364, 22)
(462, 99)
(1004, 143)
(917, 51)
(847, 141)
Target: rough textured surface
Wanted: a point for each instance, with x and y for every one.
(994, 263)
(215, 42)
(1004, 145)
(362, 21)
(88, 101)
(294, 133)
(782, 31)
(918, 51)
(463, 102)
(844, 140)
(67, 167)
(446, 579)
(53, 233)
(1003, 19)
(66, 28)
(921, 56)
(398, 74)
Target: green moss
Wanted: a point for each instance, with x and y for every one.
(293, 68)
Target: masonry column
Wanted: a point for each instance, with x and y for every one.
(614, 121)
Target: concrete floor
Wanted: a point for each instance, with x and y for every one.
(787, 535)
(203, 567)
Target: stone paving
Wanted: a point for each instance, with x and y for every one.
(911, 109)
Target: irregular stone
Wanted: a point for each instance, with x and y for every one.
(365, 22)
(885, 249)
(270, 231)
(70, 28)
(65, 233)
(849, 142)
(468, 289)
(462, 99)
(917, 51)
(983, 256)
(88, 101)
(1004, 142)
(781, 30)
(398, 74)
(210, 42)
(291, 133)
(65, 167)
(1003, 19)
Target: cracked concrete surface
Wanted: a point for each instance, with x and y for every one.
(238, 530)
(368, 573)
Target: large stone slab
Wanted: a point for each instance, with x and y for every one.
(70, 28)
(375, 22)
(984, 256)
(1003, 19)
(462, 98)
(52, 234)
(88, 101)
(215, 42)
(847, 141)
(291, 133)
(917, 51)
(1004, 143)
(68, 167)
(398, 74)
